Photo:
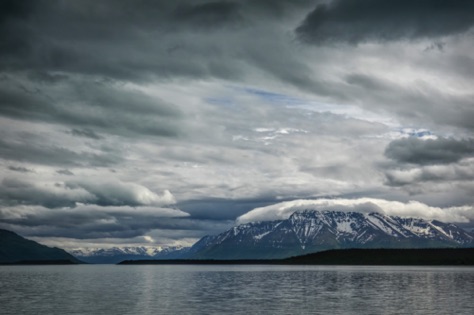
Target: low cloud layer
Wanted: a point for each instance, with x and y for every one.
(284, 210)
(69, 193)
(89, 221)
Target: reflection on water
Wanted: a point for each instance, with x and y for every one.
(99, 289)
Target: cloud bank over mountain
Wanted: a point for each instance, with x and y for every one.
(284, 210)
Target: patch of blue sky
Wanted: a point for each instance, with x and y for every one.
(406, 132)
(348, 111)
(298, 103)
(417, 133)
(271, 97)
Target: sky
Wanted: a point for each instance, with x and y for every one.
(154, 123)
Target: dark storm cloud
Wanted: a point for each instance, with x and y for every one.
(375, 20)
(137, 34)
(426, 152)
(12, 8)
(137, 40)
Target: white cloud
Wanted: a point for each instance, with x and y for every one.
(283, 210)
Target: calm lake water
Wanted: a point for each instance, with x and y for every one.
(110, 289)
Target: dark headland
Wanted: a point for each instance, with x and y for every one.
(41, 262)
(16, 250)
(396, 257)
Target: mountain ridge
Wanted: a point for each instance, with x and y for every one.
(114, 255)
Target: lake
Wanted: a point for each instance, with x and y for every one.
(217, 289)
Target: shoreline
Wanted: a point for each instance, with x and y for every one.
(366, 257)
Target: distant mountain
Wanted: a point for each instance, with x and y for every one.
(313, 231)
(16, 249)
(117, 254)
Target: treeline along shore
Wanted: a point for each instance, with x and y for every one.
(397, 257)
(42, 262)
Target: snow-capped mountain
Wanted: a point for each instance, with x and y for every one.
(117, 254)
(311, 231)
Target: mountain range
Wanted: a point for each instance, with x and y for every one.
(117, 254)
(303, 232)
(312, 231)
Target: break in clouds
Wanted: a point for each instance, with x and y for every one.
(158, 122)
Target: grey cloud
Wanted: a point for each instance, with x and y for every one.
(20, 169)
(116, 193)
(417, 102)
(374, 20)
(368, 82)
(65, 172)
(87, 133)
(135, 34)
(91, 221)
(102, 105)
(11, 12)
(33, 191)
(30, 151)
(46, 78)
(208, 15)
(22, 191)
(221, 209)
(126, 40)
(13, 9)
(436, 171)
(279, 8)
(425, 152)
(439, 46)
(96, 222)
(399, 178)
